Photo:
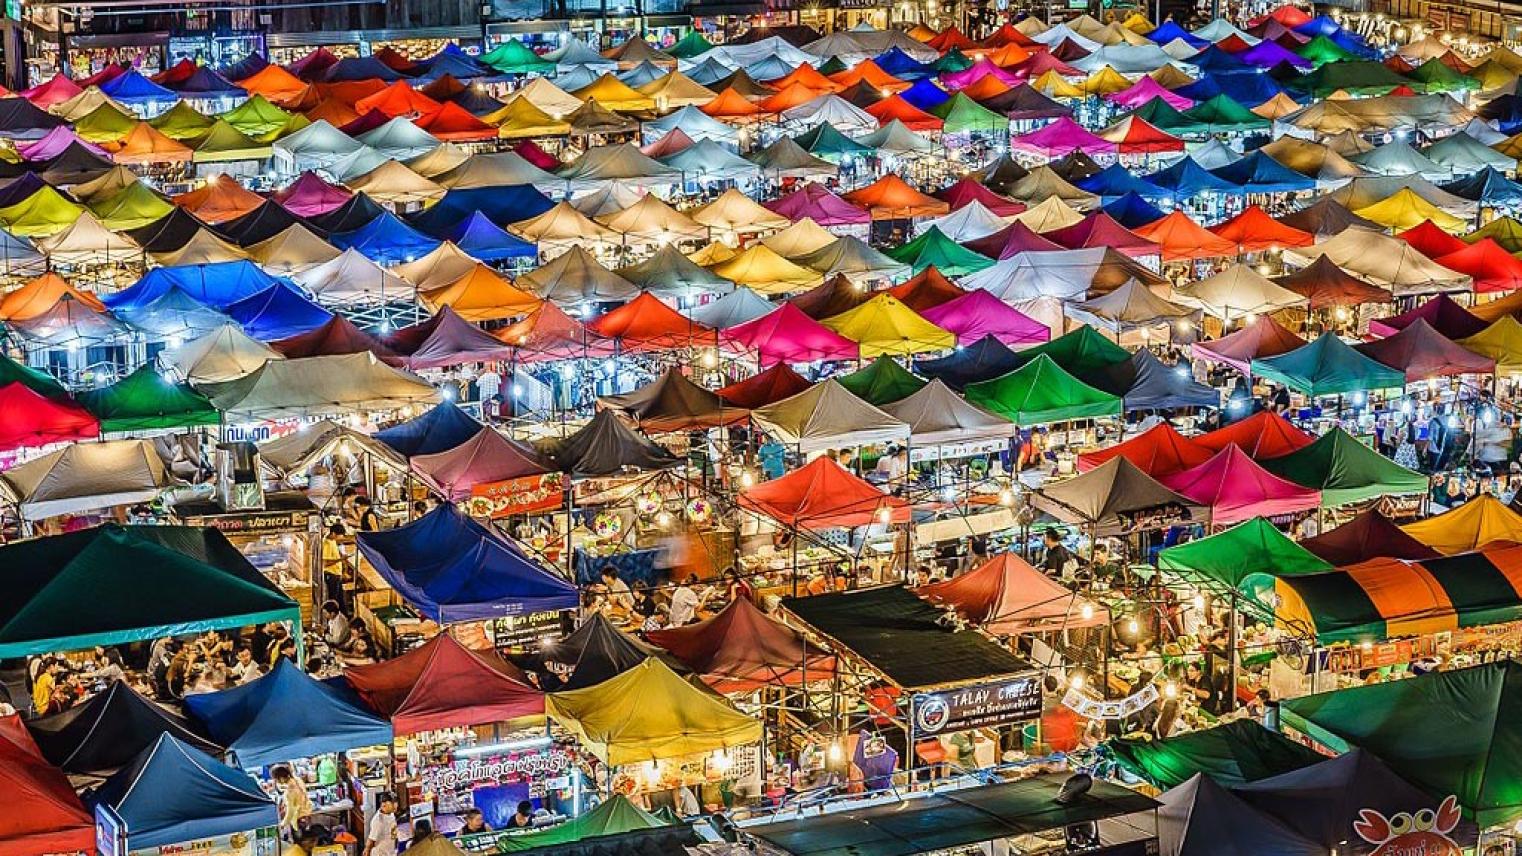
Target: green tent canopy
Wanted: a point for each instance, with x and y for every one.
(953, 61)
(691, 45)
(1041, 392)
(256, 117)
(46, 212)
(933, 248)
(962, 114)
(146, 400)
(1356, 77)
(226, 143)
(884, 381)
(1164, 116)
(1454, 732)
(1082, 351)
(1232, 754)
(1222, 114)
(833, 65)
(36, 380)
(1328, 366)
(114, 584)
(514, 57)
(1345, 470)
(1249, 548)
(1434, 76)
(824, 141)
(132, 207)
(1506, 231)
(182, 122)
(615, 816)
(105, 124)
(1321, 50)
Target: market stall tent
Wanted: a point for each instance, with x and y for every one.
(1346, 470)
(1110, 498)
(453, 569)
(1041, 392)
(606, 446)
(936, 415)
(44, 815)
(741, 648)
(223, 354)
(104, 733)
(315, 386)
(283, 715)
(613, 826)
(768, 386)
(1235, 753)
(1201, 818)
(85, 476)
(1328, 366)
(146, 400)
(1475, 524)
(487, 457)
(821, 495)
(1252, 547)
(1006, 597)
(673, 402)
(649, 713)
(825, 416)
(1370, 535)
(443, 684)
(1159, 451)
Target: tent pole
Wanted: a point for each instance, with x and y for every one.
(1231, 656)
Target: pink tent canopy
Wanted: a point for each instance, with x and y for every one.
(815, 201)
(976, 72)
(1235, 488)
(1099, 229)
(967, 191)
(978, 313)
(1059, 137)
(1006, 596)
(485, 458)
(309, 196)
(56, 90)
(785, 334)
(53, 143)
(1042, 61)
(1012, 240)
(1264, 337)
(446, 339)
(1145, 90)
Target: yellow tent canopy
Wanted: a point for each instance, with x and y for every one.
(1105, 81)
(1055, 85)
(523, 118)
(1404, 210)
(648, 714)
(799, 239)
(1502, 342)
(884, 326)
(712, 254)
(616, 95)
(761, 269)
(734, 214)
(1136, 22)
(676, 90)
(481, 295)
(1470, 526)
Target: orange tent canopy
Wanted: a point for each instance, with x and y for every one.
(1008, 56)
(1135, 135)
(809, 76)
(952, 38)
(351, 91)
(730, 104)
(146, 144)
(1006, 596)
(742, 648)
(789, 97)
(823, 495)
(40, 295)
(891, 198)
(481, 295)
(453, 122)
(336, 112)
(1182, 238)
(895, 107)
(1254, 231)
(986, 87)
(647, 324)
(872, 74)
(219, 200)
(398, 99)
(274, 83)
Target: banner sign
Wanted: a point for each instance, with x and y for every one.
(978, 706)
(523, 495)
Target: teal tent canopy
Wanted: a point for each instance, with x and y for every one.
(146, 400)
(1328, 366)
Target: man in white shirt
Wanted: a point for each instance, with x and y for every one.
(619, 595)
(244, 668)
(488, 383)
(380, 835)
(684, 602)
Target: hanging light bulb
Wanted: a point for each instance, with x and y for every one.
(1087, 611)
(1075, 680)
(1132, 626)
(836, 754)
(1198, 601)
(885, 516)
(746, 479)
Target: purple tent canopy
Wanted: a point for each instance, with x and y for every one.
(1145, 90)
(815, 201)
(53, 143)
(977, 71)
(310, 196)
(978, 313)
(1059, 137)
(446, 339)
(485, 458)
(1267, 54)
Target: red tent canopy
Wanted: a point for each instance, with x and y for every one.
(925, 290)
(1012, 240)
(1006, 596)
(823, 495)
(1263, 435)
(647, 324)
(1235, 488)
(1290, 16)
(1422, 352)
(1253, 231)
(337, 336)
(1008, 35)
(1264, 337)
(1099, 229)
(1135, 135)
(28, 419)
(1370, 535)
(1445, 316)
(1159, 451)
(895, 107)
(951, 38)
(967, 190)
(450, 121)
(548, 333)
(1492, 267)
(1430, 240)
(742, 648)
(398, 99)
(43, 814)
(1325, 284)
(768, 387)
(1182, 238)
(443, 684)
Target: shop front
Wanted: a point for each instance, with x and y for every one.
(415, 43)
(282, 540)
(214, 48)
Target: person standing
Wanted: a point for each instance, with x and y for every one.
(380, 835)
(295, 803)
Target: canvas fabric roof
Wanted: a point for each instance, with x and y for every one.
(827, 415)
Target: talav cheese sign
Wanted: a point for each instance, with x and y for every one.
(1420, 833)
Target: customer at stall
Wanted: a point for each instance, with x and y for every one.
(335, 626)
(295, 803)
(244, 668)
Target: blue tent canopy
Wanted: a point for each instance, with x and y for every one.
(901, 65)
(278, 312)
(1321, 25)
(1115, 180)
(20, 188)
(984, 359)
(453, 62)
(439, 430)
(1185, 179)
(1132, 210)
(386, 240)
(452, 568)
(925, 94)
(361, 68)
(1488, 187)
(1249, 90)
(1260, 173)
(217, 285)
(1213, 60)
(1155, 386)
(204, 81)
(285, 715)
(133, 88)
(1170, 30)
(499, 204)
(482, 239)
(174, 793)
(245, 68)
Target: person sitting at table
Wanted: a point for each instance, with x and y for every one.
(475, 822)
(523, 817)
(619, 595)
